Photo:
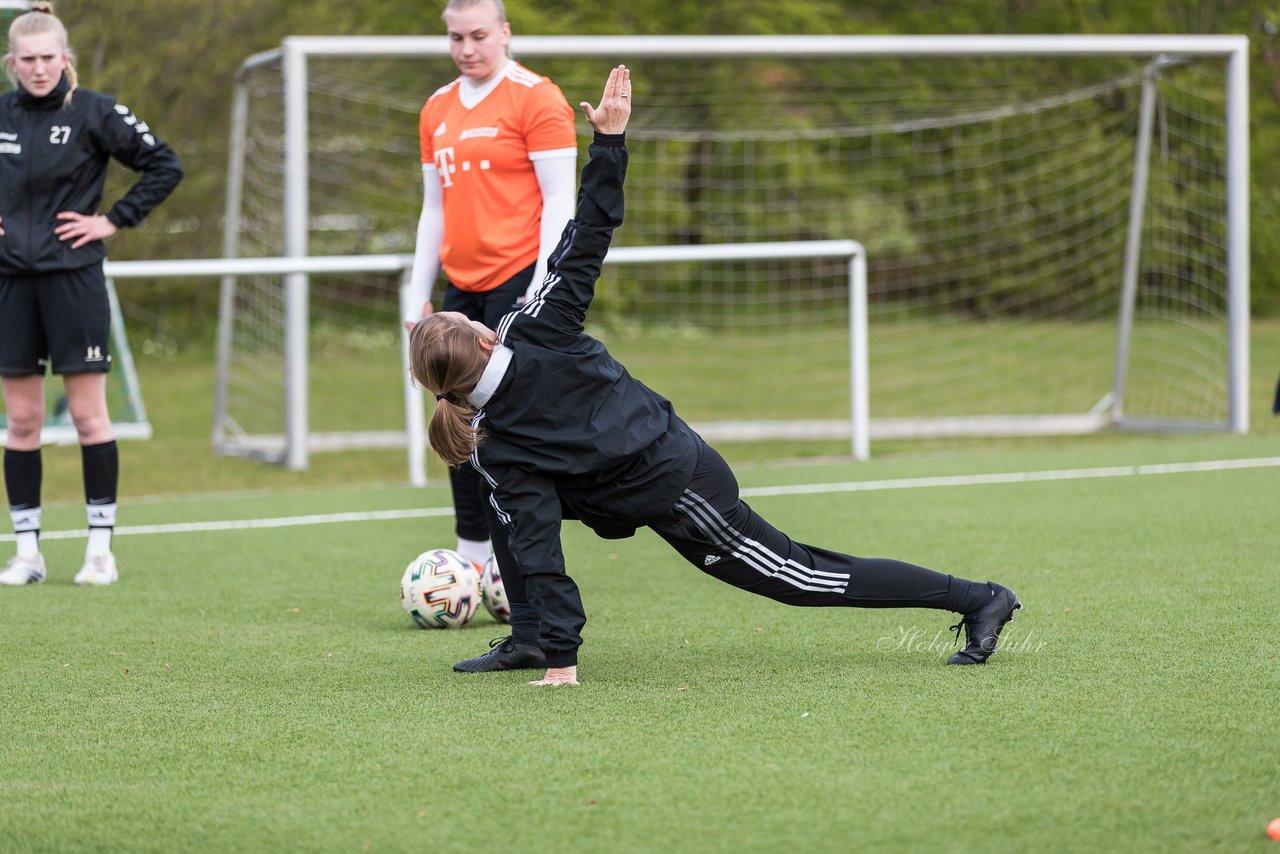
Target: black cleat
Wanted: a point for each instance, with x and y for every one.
(504, 655)
(982, 627)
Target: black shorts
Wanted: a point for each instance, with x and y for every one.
(490, 306)
(62, 319)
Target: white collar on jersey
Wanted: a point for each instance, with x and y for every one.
(470, 94)
(499, 361)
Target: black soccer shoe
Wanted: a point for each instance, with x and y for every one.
(503, 654)
(982, 627)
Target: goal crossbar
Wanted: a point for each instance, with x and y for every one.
(299, 441)
(291, 63)
(621, 47)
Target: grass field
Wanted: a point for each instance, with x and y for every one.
(179, 390)
(248, 688)
(261, 690)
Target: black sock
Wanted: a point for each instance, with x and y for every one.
(23, 473)
(101, 475)
(101, 472)
(966, 596)
(524, 624)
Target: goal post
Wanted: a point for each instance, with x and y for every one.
(1056, 226)
(857, 426)
(10, 9)
(230, 438)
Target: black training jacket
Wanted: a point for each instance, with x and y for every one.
(54, 157)
(565, 427)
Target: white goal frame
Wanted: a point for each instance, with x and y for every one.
(295, 52)
(298, 440)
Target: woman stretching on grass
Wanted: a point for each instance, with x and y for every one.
(560, 430)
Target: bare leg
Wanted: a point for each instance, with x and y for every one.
(87, 401)
(24, 409)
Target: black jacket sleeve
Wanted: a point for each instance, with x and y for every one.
(574, 266)
(129, 140)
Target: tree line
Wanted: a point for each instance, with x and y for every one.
(174, 63)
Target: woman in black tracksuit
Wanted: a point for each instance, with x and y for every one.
(56, 142)
(560, 430)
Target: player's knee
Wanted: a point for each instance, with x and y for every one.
(92, 427)
(24, 425)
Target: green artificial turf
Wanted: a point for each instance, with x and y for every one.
(261, 689)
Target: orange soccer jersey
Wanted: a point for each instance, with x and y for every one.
(483, 156)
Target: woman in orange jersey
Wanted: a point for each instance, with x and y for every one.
(499, 164)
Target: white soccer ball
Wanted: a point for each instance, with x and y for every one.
(440, 589)
(493, 592)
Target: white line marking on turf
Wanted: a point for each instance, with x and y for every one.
(246, 524)
(1010, 477)
(751, 492)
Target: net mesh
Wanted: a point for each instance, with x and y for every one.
(992, 196)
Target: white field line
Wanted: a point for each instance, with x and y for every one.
(1011, 477)
(753, 492)
(247, 524)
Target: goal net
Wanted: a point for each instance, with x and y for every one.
(1055, 230)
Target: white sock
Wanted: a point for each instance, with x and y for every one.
(476, 551)
(102, 523)
(26, 529)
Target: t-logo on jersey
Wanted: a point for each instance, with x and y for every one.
(483, 157)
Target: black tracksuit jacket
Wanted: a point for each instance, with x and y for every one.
(54, 157)
(567, 432)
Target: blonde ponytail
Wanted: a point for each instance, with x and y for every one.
(446, 359)
(450, 433)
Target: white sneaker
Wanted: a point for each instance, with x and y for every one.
(20, 571)
(98, 571)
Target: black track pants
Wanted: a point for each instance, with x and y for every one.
(716, 531)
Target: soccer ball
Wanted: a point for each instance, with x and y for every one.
(440, 589)
(493, 591)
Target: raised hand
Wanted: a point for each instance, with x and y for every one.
(426, 312)
(615, 104)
